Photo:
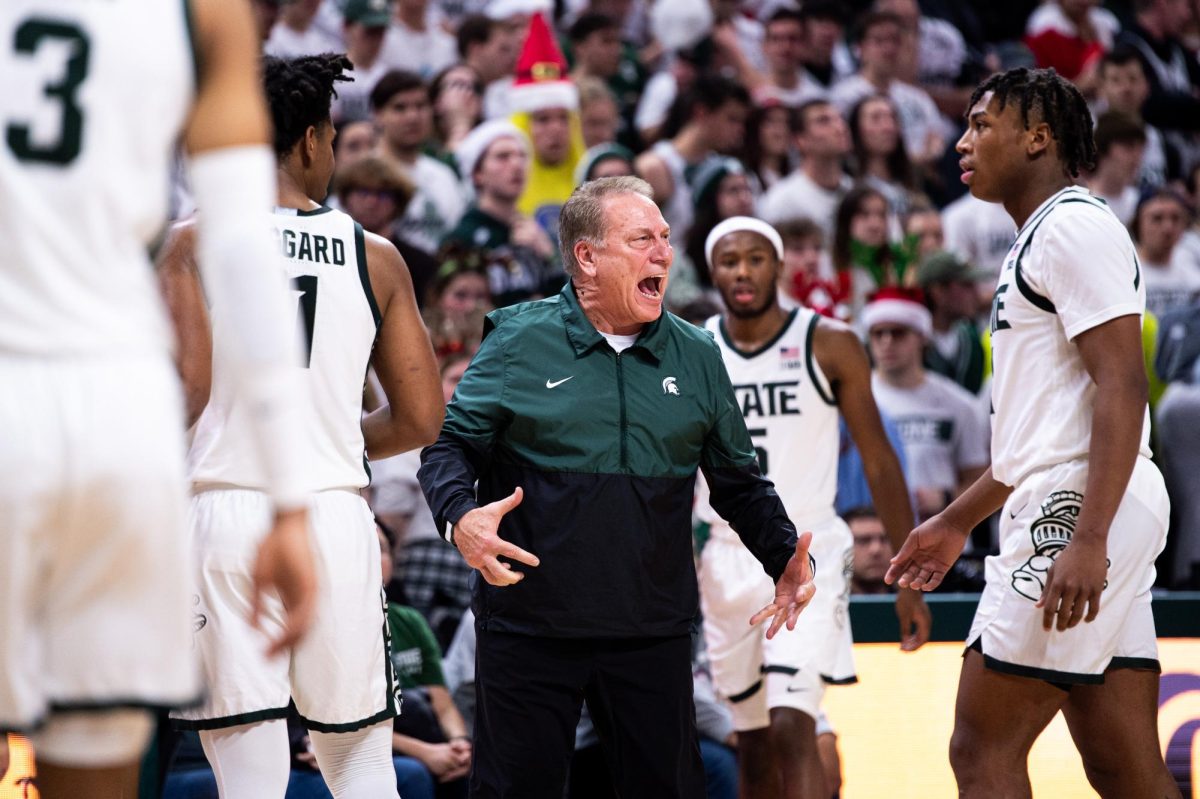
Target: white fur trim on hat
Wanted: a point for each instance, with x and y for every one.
(503, 9)
(472, 148)
(737, 224)
(540, 96)
(909, 313)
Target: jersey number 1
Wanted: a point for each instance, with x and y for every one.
(306, 287)
(29, 38)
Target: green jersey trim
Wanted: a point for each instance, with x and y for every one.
(189, 25)
(364, 276)
(810, 362)
(791, 317)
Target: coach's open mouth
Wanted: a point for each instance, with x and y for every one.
(651, 287)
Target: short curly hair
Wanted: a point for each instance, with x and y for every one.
(300, 92)
(1050, 98)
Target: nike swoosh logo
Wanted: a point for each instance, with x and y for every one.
(1013, 514)
(557, 382)
(791, 690)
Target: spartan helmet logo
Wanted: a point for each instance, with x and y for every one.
(669, 386)
(1051, 532)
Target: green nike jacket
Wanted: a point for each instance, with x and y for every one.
(606, 446)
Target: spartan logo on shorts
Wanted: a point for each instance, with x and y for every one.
(1051, 532)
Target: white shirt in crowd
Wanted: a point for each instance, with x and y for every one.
(940, 427)
(353, 100)
(656, 100)
(1172, 285)
(1124, 205)
(436, 207)
(979, 232)
(942, 52)
(798, 196)
(285, 42)
(425, 52)
(807, 88)
(1078, 271)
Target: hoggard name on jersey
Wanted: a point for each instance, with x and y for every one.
(300, 245)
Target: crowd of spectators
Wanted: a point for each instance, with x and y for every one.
(469, 123)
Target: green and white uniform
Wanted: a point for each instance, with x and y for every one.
(94, 604)
(792, 416)
(339, 675)
(1072, 267)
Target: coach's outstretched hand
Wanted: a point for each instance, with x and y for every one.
(477, 538)
(793, 592)
(285, 565)
(928, 553)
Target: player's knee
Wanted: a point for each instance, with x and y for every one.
(793, 729)
(965, 754)
(101, 739)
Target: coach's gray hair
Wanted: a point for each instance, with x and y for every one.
(582, 217)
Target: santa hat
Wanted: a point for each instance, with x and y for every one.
(897, 306)
(542, 80)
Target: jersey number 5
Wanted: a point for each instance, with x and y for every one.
(759, 450)
(30, 36)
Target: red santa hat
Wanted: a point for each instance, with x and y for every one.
(542, 80)
(898, 306)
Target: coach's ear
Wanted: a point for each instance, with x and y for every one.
(585, 256)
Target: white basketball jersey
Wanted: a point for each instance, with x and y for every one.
(792, 417)
(92, 99)
(1073, 267)
(326, 259)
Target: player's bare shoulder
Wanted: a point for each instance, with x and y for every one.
(838, 350)
(387, 269)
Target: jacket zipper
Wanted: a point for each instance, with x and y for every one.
(621, 395)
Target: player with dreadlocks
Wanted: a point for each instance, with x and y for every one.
(354, 296)
(1084, 508)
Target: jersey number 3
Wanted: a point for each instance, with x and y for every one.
(30, 36)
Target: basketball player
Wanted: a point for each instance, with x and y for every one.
(793, 372)
(95, 603)
(354, 296)
(1084, 508)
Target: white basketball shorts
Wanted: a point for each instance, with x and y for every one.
(791, 670)
(96, 575)
(340, 675)
(1036, 524)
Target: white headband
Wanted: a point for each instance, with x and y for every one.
(908, 313)
(737, 224)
